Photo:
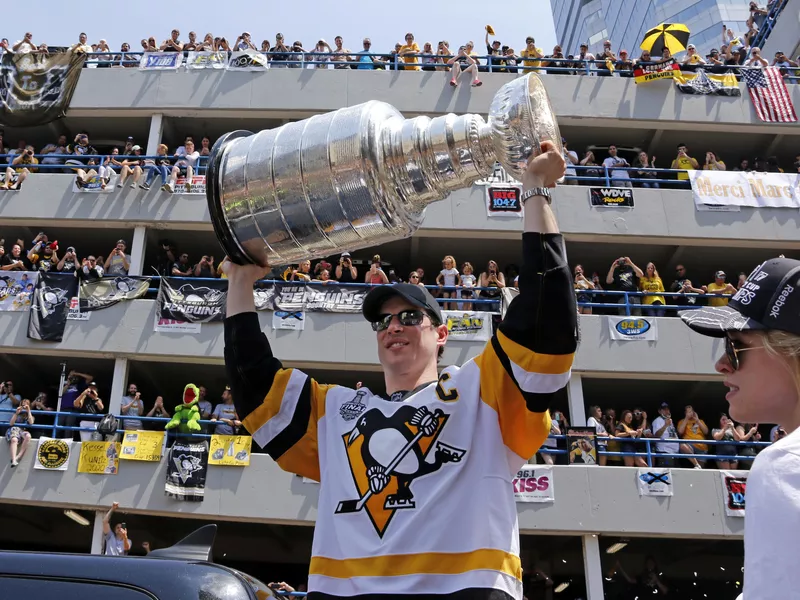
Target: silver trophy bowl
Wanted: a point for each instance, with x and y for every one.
(362, 176)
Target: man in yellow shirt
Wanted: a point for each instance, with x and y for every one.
(531, 52)
(720, 286)
(685, 162)
(410, 53)
(692, 427)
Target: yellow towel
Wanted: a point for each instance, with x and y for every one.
(490, 30)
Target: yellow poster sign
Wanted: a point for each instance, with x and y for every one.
(142, 445)
(99, 457)
(230, 450)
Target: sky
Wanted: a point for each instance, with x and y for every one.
(384, 23)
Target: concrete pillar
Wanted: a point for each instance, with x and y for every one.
(97, 532)
(577, 408)
(138, 249)
(155, 135)
(592, 567)
(119, 385)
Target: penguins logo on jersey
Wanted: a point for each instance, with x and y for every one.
(387, 454)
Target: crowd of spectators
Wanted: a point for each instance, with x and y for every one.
(128, 165)
(735, 50)
(649, 290)
(83, 402)
(687, 436)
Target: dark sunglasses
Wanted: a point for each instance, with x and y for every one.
(732, 350)
(407, 318)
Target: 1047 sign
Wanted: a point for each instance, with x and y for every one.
(503, 200)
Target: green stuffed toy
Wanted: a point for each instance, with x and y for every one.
(187, 414)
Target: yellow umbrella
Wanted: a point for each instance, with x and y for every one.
(674, 36)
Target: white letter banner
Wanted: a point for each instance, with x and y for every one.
(734, 485)
(635, 329)
(534, 483)
(207, 60)
(759, 190)
(468, 326)
(654, 482)
(160, 61)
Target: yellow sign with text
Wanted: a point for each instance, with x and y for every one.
(230, 450)
(142, 445)
(100, 458)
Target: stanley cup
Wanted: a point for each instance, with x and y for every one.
(362, 176)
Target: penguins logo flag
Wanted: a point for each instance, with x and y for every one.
(36, 89)
(384, 472)
(201, 301)
(102, 293)
(50, 307)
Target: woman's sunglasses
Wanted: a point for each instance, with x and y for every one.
(732, 349)
(407, 318)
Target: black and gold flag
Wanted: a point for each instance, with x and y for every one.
(36, 88)
(108, 291)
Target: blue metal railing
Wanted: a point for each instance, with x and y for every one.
(649, 452)
(768, 25)
(100, 160)
(392, 61)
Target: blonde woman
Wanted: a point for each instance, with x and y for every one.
(581, 285)
(760, 329)
(448, 277)
(652, 284)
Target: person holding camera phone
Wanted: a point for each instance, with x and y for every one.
(69, 262)
(624, 276)
(205, 268)
(118, 262)
(463, 63)
(116, 540)
(492, 280)
(345, 271)
(21, 166)
(18, 436)
(89, 403)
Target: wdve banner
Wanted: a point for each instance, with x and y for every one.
(759, 190)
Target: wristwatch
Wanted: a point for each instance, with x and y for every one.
(537, 191)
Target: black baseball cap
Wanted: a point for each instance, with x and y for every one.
(768, 299)
(414, 294)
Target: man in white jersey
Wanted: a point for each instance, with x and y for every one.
(761, 329)
(416, 495)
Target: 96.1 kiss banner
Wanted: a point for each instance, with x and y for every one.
(200, 302)
(534, 483)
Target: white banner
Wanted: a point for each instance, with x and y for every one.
(207, 60)
(639, 329)
(16, 289)
(654, 482)
(759, 190)
(94, 184)
(75, 313)
(196, 186)
(734, 486)
(249, 60)
(173, 326)
(294, 320)
(52, 454)
(468, 326)
(159, 61)
(534, 483)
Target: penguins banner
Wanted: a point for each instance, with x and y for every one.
(50, 306)
(187, 465)
(193, 302)
(293, 298)
(36, 88)
(102, 293)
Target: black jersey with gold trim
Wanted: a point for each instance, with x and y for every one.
(416, 496)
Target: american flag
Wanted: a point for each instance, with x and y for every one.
(769, 95)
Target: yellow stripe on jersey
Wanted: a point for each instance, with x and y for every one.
(523, 431)
(303, 457)
(433, 563)
(289, 399)
(534, 362)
